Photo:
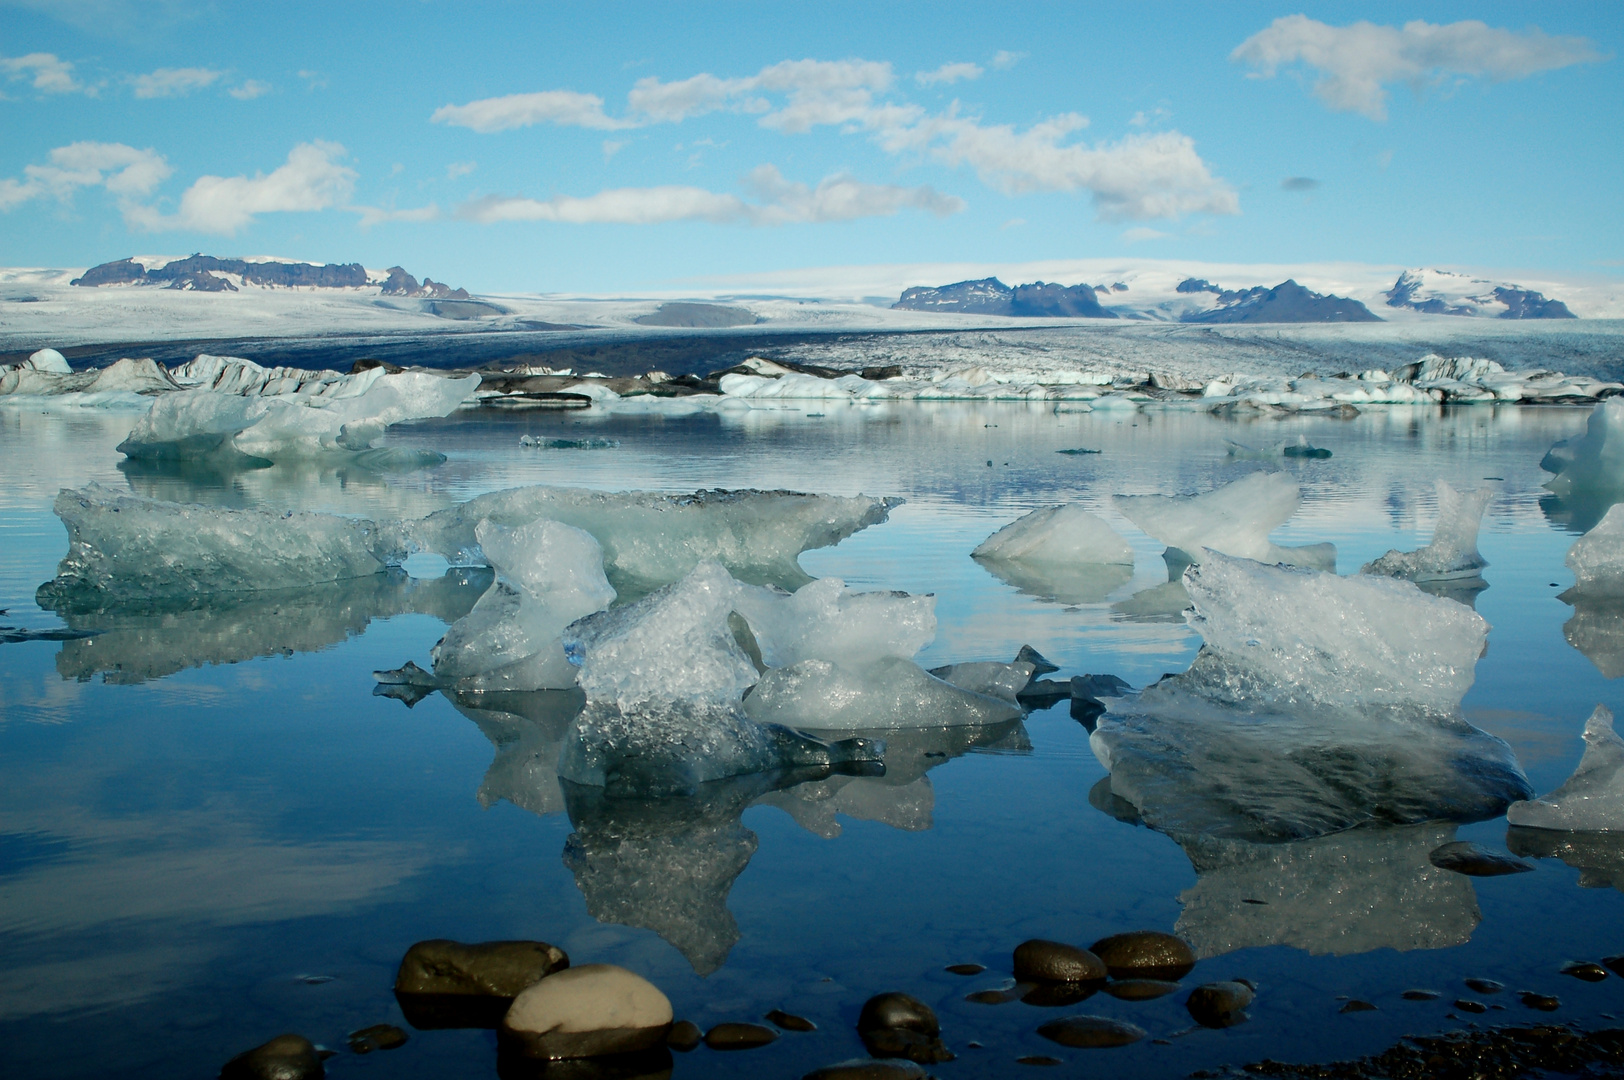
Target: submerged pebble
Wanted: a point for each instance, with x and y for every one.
(376, 1037)
(1147, 954)
(1091, 1032)
(1420, 995)
(966, 969)
(733, 1036)
(790, 1022)
(684, 1036)
(1485, 986)
(286, 1057)
(1542, 1002)
(1583, 969)
(868, 1069)
(1038, 1059)
(1140, 989)
(896, 1025)
(1357, 1006)
(1220, 1004)
(1470, 1006)
(1058, 995)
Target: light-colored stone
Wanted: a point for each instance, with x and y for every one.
(586, 1012)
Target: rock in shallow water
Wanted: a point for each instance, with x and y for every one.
(448, 984)
(965, 969)
(1146, 954)
(734, 1036)
(895, 1025)
(868, 1069)
(1475, 860)
(1357, 1006)
(1583, 969)
(790, 1022)
(1053, 961)
(1139, 989)
(1542, 1002)
(1220, 1004)
(684, 1036)
(588, 1011)
(286, 1057)
(1091, 1032)
(1485, 986)
(376, 1037)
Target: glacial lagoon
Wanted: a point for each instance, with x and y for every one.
(214, 828)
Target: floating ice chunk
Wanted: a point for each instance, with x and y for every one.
(542, 443)
(650, 539)
(1235, 519)
(1597, 557)
(1065, 534)
(1318, 703)
(120, 544)
(822, 696)
(824, 620)
(1592, 799)
(1592, 463)
(48, 360)
(989, 678)
(198, 423)
(548, 575)
(1355, 892)
(1453, 551)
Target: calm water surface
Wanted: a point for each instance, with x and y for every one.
(212, 831)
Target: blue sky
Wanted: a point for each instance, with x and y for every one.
(612, 148)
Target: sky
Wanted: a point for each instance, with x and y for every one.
(611, 148)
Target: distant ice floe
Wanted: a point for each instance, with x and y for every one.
(1592, 799)
(1317, 703)
(1235, 519)
(1453, 553)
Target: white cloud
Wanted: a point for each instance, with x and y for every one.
(373, 215)
(1003, 59)
(312, 179)
(460, 168)
(122, 170)
(564, 107)
(947, 74)
(250, 89)
(1356, 63)
(780, 202)
(48, 73)
(173, 82)
(314, 80)
(1013, 223)
(1140, 233)
(611, 147)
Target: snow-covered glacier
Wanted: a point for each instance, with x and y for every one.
(1235, 519)
(1316, 704)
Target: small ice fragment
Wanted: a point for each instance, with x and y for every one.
(1065, 534)
(1302, 448)
(988, 677)
(1597, 557)
(1453, 551)
(893, 693)
(1592, 799)
(408, 674)
(1235, 519)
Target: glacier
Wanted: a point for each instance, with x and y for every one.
(1592, 799)
(1235, 519)
(1452, 553)
(547, 576)
(1317, 703)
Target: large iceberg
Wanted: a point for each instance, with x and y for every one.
(1592, 799)
(1592, 462)
(1453, 551)
(1354, 892)
(1235, 519)
(651, 539)
(663, 678)
(126, 545)
(1316, 704)
(548, 575)
(202, 423)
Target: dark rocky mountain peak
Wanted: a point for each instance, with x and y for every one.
(989, 296)
(1195, 285)
(1287, 302)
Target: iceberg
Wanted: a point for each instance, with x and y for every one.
(819, 695)
(1062, 553)
(1235, 519)
(1597, 558)
(1317, 703)
(1592, 799)
(1592, 462)
(548, 575)
(135, 547)
(1453, 551)
(201, 423)
(1354, 892)
(663, 678)
(651, 539)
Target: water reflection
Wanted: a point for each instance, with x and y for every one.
(1598, 856)
(1086, 583)
(527, 729)
(1596, 629)
(135, 642)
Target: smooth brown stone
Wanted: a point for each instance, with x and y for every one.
(1059, 995)
(1147, 954)
(1583, 969)
(1091, 1032)
(1054, 961)
(1357, 1006)
(376, 1037)
(1470, 1006)
(502, 969)
(1220, 1004)
(1139, 989)
(1038, 1059)
(684, 1036)
(286, 1057)
(966, 969)
(739, 1036)
(1485, 986)
(790, 1022)
(897, 1011)
(1542, 1002)
(1420, 995)
(868, 1069)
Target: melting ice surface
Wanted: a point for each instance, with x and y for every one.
(1316, 704)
